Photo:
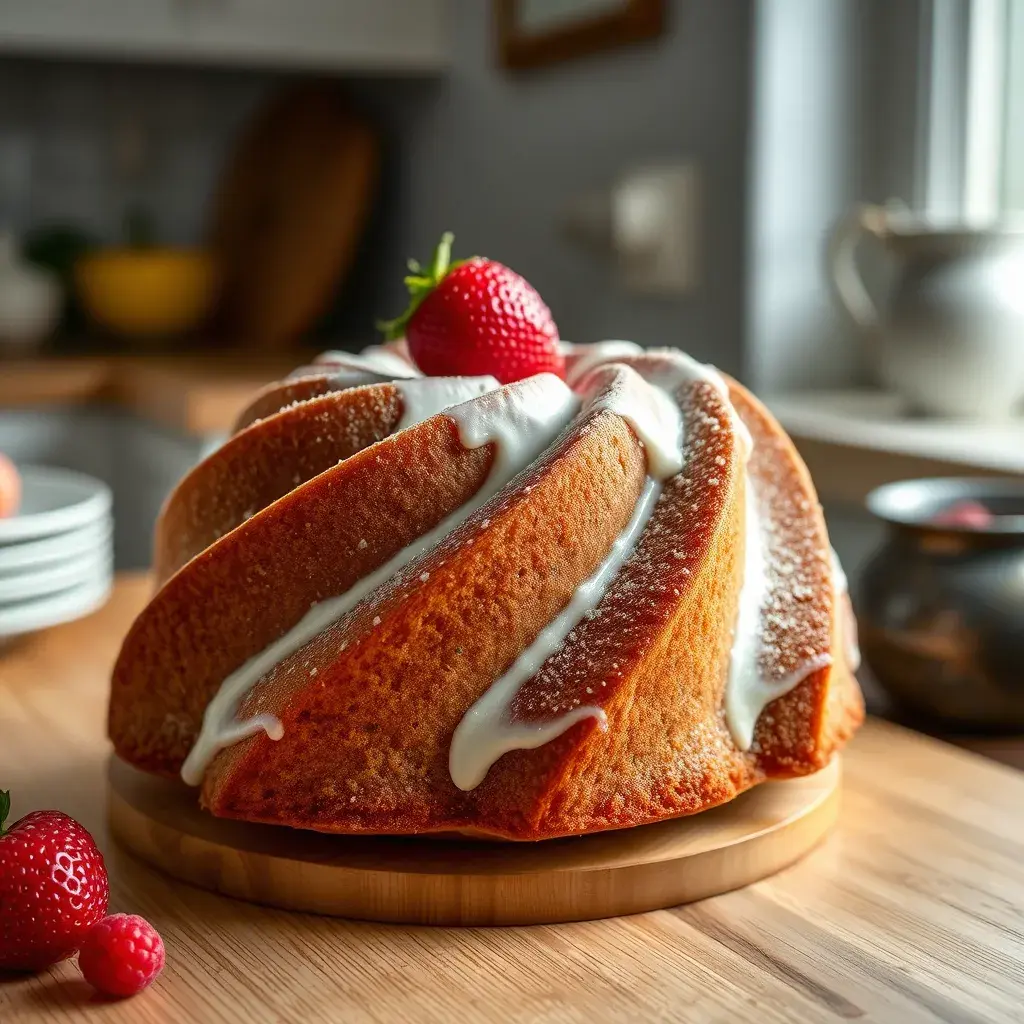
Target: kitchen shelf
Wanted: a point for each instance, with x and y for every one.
(856, 440)
(875, 420)
(195, 395)
(384, 36)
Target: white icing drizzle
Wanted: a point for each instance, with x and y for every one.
(687, 368)
(342, 379)
(423, 397)
(851, 644)
(583, 358)
(655, 418)
(375, 359)
(486, 731)
(399, 347)
(522, 420)
(351, 370)
(676, 369)
(747, 692)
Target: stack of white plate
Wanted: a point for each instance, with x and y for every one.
(56, 553)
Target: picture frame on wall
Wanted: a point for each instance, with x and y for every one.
(532, 33)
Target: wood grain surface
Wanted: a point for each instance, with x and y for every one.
(911, 911)
(442, 880)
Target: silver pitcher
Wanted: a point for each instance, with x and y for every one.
(950, 337)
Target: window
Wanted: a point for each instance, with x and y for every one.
(1011, 189)
(970, 142)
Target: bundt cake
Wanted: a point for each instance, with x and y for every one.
(397, 603)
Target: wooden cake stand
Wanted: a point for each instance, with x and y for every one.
(441, 881)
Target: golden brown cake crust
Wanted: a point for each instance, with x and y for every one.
(370, 705)
(264, 462)
(240, 594)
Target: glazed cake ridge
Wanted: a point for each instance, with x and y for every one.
(485, 732)
(779, 619)
(521, 419)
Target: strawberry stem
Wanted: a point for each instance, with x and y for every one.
(421, 282)
(5, 809)
(442, 256)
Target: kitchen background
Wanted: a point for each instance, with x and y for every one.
(678, 190)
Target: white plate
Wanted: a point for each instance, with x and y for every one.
(24, 586)
(55, 608)
(54, 501)
(35, 554)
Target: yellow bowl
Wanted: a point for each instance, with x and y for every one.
(147, 293)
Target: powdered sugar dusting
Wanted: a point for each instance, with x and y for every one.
(851, 645)
(607, 646)
(793, 639)
(486, 731)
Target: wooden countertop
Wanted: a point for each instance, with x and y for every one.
(194, 394)
(911, 912)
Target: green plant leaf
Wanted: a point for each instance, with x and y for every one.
(5, 809)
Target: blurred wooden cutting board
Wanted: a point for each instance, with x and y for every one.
(289, 213)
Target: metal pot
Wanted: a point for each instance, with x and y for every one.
(941, 609)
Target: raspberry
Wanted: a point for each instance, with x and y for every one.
(121, 955)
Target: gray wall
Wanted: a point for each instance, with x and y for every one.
(82, 142)
(496, 156)
(893, 64)
(835, 107)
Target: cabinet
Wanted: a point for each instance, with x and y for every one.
(342, 35)
(364, 34)
(101, 27)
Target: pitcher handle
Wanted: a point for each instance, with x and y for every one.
(841, 262)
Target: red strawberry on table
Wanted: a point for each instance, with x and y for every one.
(53, 888)
(476, 317)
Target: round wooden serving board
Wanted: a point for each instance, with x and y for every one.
(443, 881)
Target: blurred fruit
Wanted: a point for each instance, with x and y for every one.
(147, 293)
(10, 487)
(969, 514)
